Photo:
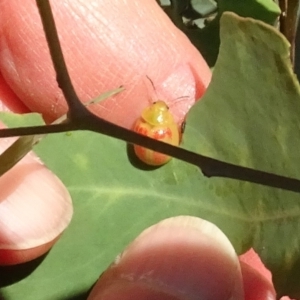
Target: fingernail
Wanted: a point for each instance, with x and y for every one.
(35, 207)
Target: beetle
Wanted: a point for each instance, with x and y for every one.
(157, 122)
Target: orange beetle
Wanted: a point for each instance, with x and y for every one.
(158, 123)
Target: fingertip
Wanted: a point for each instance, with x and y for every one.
(182, 257)
(256, 285)
(35, 208)
(120, 56)
(9, 102)
(252, 258)
(9, 257)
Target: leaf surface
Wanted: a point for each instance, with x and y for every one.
(207, 39)
(249, 116)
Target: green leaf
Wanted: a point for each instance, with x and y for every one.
(207, 39)
(21, 146)
(264, 10)
(203, 7)
(250, 115)
(12, 155)
(113, 202)
(24, 120)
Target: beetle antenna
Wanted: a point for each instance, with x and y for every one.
(151, 81)
(178, 100)
(175, 100)
(153, 87)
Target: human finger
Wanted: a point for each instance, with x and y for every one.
(106, 44)
(179, 258)
(35, 207)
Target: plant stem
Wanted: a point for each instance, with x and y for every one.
(42, 129)
(210, 167)
(288, 22)
(76, 108)
(80, 118)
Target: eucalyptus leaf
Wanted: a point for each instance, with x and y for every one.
(24, 144)
(207, 39)
(250, 115)
(204, 7)
(113, 202)
(19, 148)
(265, 10)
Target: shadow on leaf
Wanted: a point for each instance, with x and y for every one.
(136, 162)
(12, 274)
(79, 296)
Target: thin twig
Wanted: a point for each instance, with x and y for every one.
(210, 167)
(288, 22)
(88, 121)
(42, 129)
(76, 108)
(15, 152)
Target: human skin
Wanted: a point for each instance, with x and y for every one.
(123, 53)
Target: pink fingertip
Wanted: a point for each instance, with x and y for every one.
(183, 257)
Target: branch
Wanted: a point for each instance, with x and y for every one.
(82, 119)
(76, 108)
(210, 167)
(15, 152)
(288, 22)
(42, 129)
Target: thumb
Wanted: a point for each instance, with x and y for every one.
(182, 257)
(106, 44)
